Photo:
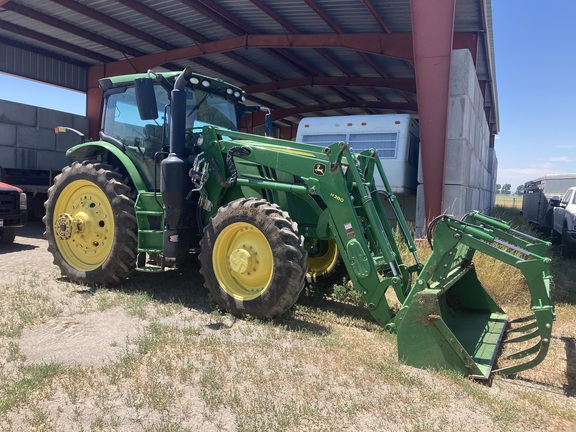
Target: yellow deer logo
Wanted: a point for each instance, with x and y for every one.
(319, 169)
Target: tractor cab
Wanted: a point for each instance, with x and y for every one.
(207, 102)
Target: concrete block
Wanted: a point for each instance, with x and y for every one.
(65, 140)
(25, 159)
(80, 123)
(459, 117)
(7, 134)
(49, 119)
(459, 157)
(479, 105)
(455, 200)
(17, 114)
(50, 160)
(462, 73)
(32, 137)
(472, 199)
(7, 156)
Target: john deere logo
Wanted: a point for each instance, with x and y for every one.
(319, 169)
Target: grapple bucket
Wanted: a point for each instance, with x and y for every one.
(450, 321)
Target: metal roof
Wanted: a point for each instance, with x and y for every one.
(299, 57)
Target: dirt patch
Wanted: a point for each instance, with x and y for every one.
(91, 339)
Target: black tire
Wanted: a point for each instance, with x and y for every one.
(91, 225)
(7, 235)
(566, 246)
(554, 237)
(325, 264)
(253, 259)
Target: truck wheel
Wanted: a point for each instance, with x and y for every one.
(91, 225)
(253, 259)
(554, 237)
(324, 263)
(7, 235)
(566, 246)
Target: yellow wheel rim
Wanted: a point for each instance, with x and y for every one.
(324, 259)
(243, 261)
(83, 225)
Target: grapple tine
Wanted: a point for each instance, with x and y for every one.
(523, 319)
(541, 348)
(524, 328)
(526, 352)
(524, 337)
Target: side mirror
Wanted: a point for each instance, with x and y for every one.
(242, 110)
(555, 201)
(146, 98)
(268, 124)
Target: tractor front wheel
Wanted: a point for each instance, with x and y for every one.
(253, 259)
(91, 225)
(324, 263)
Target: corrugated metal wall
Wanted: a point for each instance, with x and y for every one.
(28, 64)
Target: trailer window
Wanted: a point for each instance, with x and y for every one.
(323, 140)
(385, 143)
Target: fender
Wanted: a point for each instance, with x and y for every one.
(95, 148)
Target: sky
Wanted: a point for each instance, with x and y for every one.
(535, 56)
(535, 51)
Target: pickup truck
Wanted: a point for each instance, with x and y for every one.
(564, 221)
(13, 211)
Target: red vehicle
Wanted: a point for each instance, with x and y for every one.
(13, 211)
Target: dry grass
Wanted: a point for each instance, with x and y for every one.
(514, 201)
(183, 366)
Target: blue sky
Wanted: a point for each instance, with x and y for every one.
(535, 49)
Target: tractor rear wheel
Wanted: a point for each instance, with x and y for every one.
(91, 225)
(253, 259)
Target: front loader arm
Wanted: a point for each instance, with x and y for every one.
(341, 186)
(447, 318)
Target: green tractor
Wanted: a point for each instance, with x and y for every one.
(172, 176)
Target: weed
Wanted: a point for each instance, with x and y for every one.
(33, 378)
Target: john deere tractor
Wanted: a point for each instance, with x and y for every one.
(172, 176)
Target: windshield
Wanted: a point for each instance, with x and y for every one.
(142, 139)
(205, 109)
(122, 121)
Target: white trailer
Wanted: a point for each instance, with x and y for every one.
(538, 194)
(395, 136)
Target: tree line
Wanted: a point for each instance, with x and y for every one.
(506, 189)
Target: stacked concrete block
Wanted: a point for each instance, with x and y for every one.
(27, 138)
(470, 164)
